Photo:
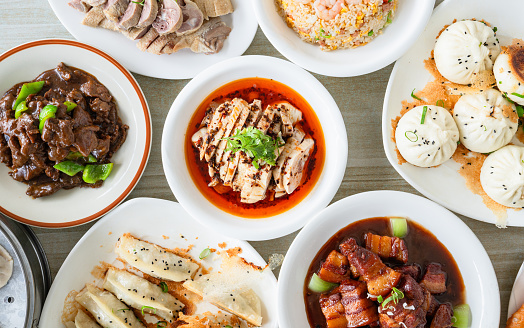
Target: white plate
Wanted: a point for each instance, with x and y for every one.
(197, 90)
(181, 65)
(149, 219)
(517, 293)
(444, 184)
(410, 19)
(79, 205)
(482, 292)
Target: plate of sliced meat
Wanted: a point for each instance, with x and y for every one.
(167, 39)
(253, 147)
(387, 259)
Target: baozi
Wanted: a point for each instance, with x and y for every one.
(486, 121)
(464, 49)
(502, 176)
(430, 141)
(509, 72)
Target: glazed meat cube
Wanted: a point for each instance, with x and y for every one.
(387, 247)
(333, 309)
(434, 279)
(412, 270)
(443, 316)
(360, 310)
(335, 268)
(380, 279)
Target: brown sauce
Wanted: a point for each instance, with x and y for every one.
(423, 248)
(269, 92)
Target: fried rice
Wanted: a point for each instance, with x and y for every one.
(355, 25)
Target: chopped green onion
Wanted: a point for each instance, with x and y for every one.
(22, 107)
(122, 310)
(399, 227)
(94, 173)
(228, 326)
(440, 101)
(46, 113)
(411, 137)
(380, 299)
(480, 44)
(164, 287)
(161, 324)
(495, 29)
(413, 96)
(324, 35)
(70, 105)
(517, 95)
(28, 89)
(150, 308)
(68, 167)
(461, 316)
(318, 285)
(520, 110)
(140, 3)
(424, 111)
(388, 20)
(370, 33)
(205, 253)
(396, 295)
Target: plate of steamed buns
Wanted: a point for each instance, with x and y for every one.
(454, 110)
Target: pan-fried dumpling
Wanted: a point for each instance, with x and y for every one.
(464, 49)
(486, 121)
(82, 320)
(139, 293)
(502, 176)
(107, 309)
(509, 72)
(430, 143)
(6, 266)
(155, 260)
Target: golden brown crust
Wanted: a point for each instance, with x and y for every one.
(516, 58)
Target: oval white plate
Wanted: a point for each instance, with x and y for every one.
(181, 65)
(517, 293)
(482, 291)
(79, 205)
(149, 219)
(197, 90)
(444, 184)
(409, 22)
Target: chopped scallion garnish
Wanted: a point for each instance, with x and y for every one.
(424, 112)
(517, 95)
(495, 29)
(145, 307)
(139, 2)
(205, 253)
(413, 95)
(161, 324)
(440, 101)
(520, 110)
(370, 33)
(380, 299)
(411, 136)
(396, 295)
(164, 287)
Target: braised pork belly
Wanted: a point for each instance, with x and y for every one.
(273, 153)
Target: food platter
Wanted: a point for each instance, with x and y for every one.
(189, 195)
(181, 65)
(444, 184)
(158, 221)
(69, 208)
(411, 17)
(473, 262)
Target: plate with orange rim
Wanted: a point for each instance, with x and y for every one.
(68, 208)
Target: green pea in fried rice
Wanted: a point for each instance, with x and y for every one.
(356, 23)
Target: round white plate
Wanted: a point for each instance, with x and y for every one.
(197, 90)
(410, 19)
(77, 206)
(444, 184)
(482, 292)
(516, 300)
(180, 65)
(149, 219)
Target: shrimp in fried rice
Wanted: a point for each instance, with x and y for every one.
(328, 9)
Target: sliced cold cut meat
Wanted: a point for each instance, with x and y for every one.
(131, 16)
(94, 16)
(292, 175)
(147, 39)
(95, 3)
(169, 17)
(192, 18)
(79, 5)
(113, 9)
(149, 12)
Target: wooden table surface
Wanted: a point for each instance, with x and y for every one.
(359, 98)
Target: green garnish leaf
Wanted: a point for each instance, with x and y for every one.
(520, 110)
(228, 326)
(370, 33)
(517, 95)
(380, 299)
(440, 101)
(495, 29)
(70, 105)
(205, 253)
(388, 19)
(46, 113)
(139, 2)
(480, 44)
(164, 287)
(68, 167)
(161, 324)
(150, 308)
(424, 111)
(396, 295)
(411, 136)
(324, 35)
(255, 144)
(22, 107)
(413, 95)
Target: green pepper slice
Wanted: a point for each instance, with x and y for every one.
(94, 173)
(68, 167)
(74, 155)
(70, 105)
(22, 107)
(28, 89)
(48, 111)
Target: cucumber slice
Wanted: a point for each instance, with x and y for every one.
(399, 227)
(318, 285)
(461, 316)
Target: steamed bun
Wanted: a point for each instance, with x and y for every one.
(486, 121)
(464, 49)
(509, 72)
(428, 144)
(502, 176)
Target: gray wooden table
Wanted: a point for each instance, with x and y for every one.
(359, 98)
